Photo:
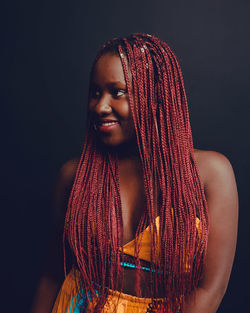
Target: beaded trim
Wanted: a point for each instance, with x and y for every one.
(132, 265)
(144, 265)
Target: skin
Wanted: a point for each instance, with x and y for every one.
(217, 178)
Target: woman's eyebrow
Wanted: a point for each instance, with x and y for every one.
(117, 84)
(112, 84)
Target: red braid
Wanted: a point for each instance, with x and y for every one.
(93, 223)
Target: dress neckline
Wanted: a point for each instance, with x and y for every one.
(141, 233)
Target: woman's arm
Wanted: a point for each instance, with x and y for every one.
(53, 273)
(222, 198)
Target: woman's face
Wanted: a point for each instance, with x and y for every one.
(108, 102)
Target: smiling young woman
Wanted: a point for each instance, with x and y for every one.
(109, 102)
(151, 222)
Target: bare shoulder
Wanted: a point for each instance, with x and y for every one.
(212, 164)
(217, 176)
(220, 188)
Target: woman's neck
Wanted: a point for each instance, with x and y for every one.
(129, 162)
(128, 157)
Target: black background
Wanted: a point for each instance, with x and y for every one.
(46, 52)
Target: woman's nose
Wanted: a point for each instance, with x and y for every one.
(103, 105)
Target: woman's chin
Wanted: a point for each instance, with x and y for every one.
(110, 141)
(113, 145)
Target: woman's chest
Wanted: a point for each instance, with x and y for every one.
(133, 202)
(134, 205)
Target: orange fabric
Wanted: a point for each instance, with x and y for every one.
(65, 300)
(69, 296)
(68, 299)
(145, 241)
(119, 302)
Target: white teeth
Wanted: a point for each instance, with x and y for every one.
(109, 123)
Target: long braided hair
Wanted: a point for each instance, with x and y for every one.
(94, 226)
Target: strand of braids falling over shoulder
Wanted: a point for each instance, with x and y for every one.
(94, 227)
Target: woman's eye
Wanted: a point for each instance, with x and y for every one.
(118, 92)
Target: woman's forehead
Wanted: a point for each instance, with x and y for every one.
(108, 68)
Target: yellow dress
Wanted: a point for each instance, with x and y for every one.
(69, 300)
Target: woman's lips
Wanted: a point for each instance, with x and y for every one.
(107, 127)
